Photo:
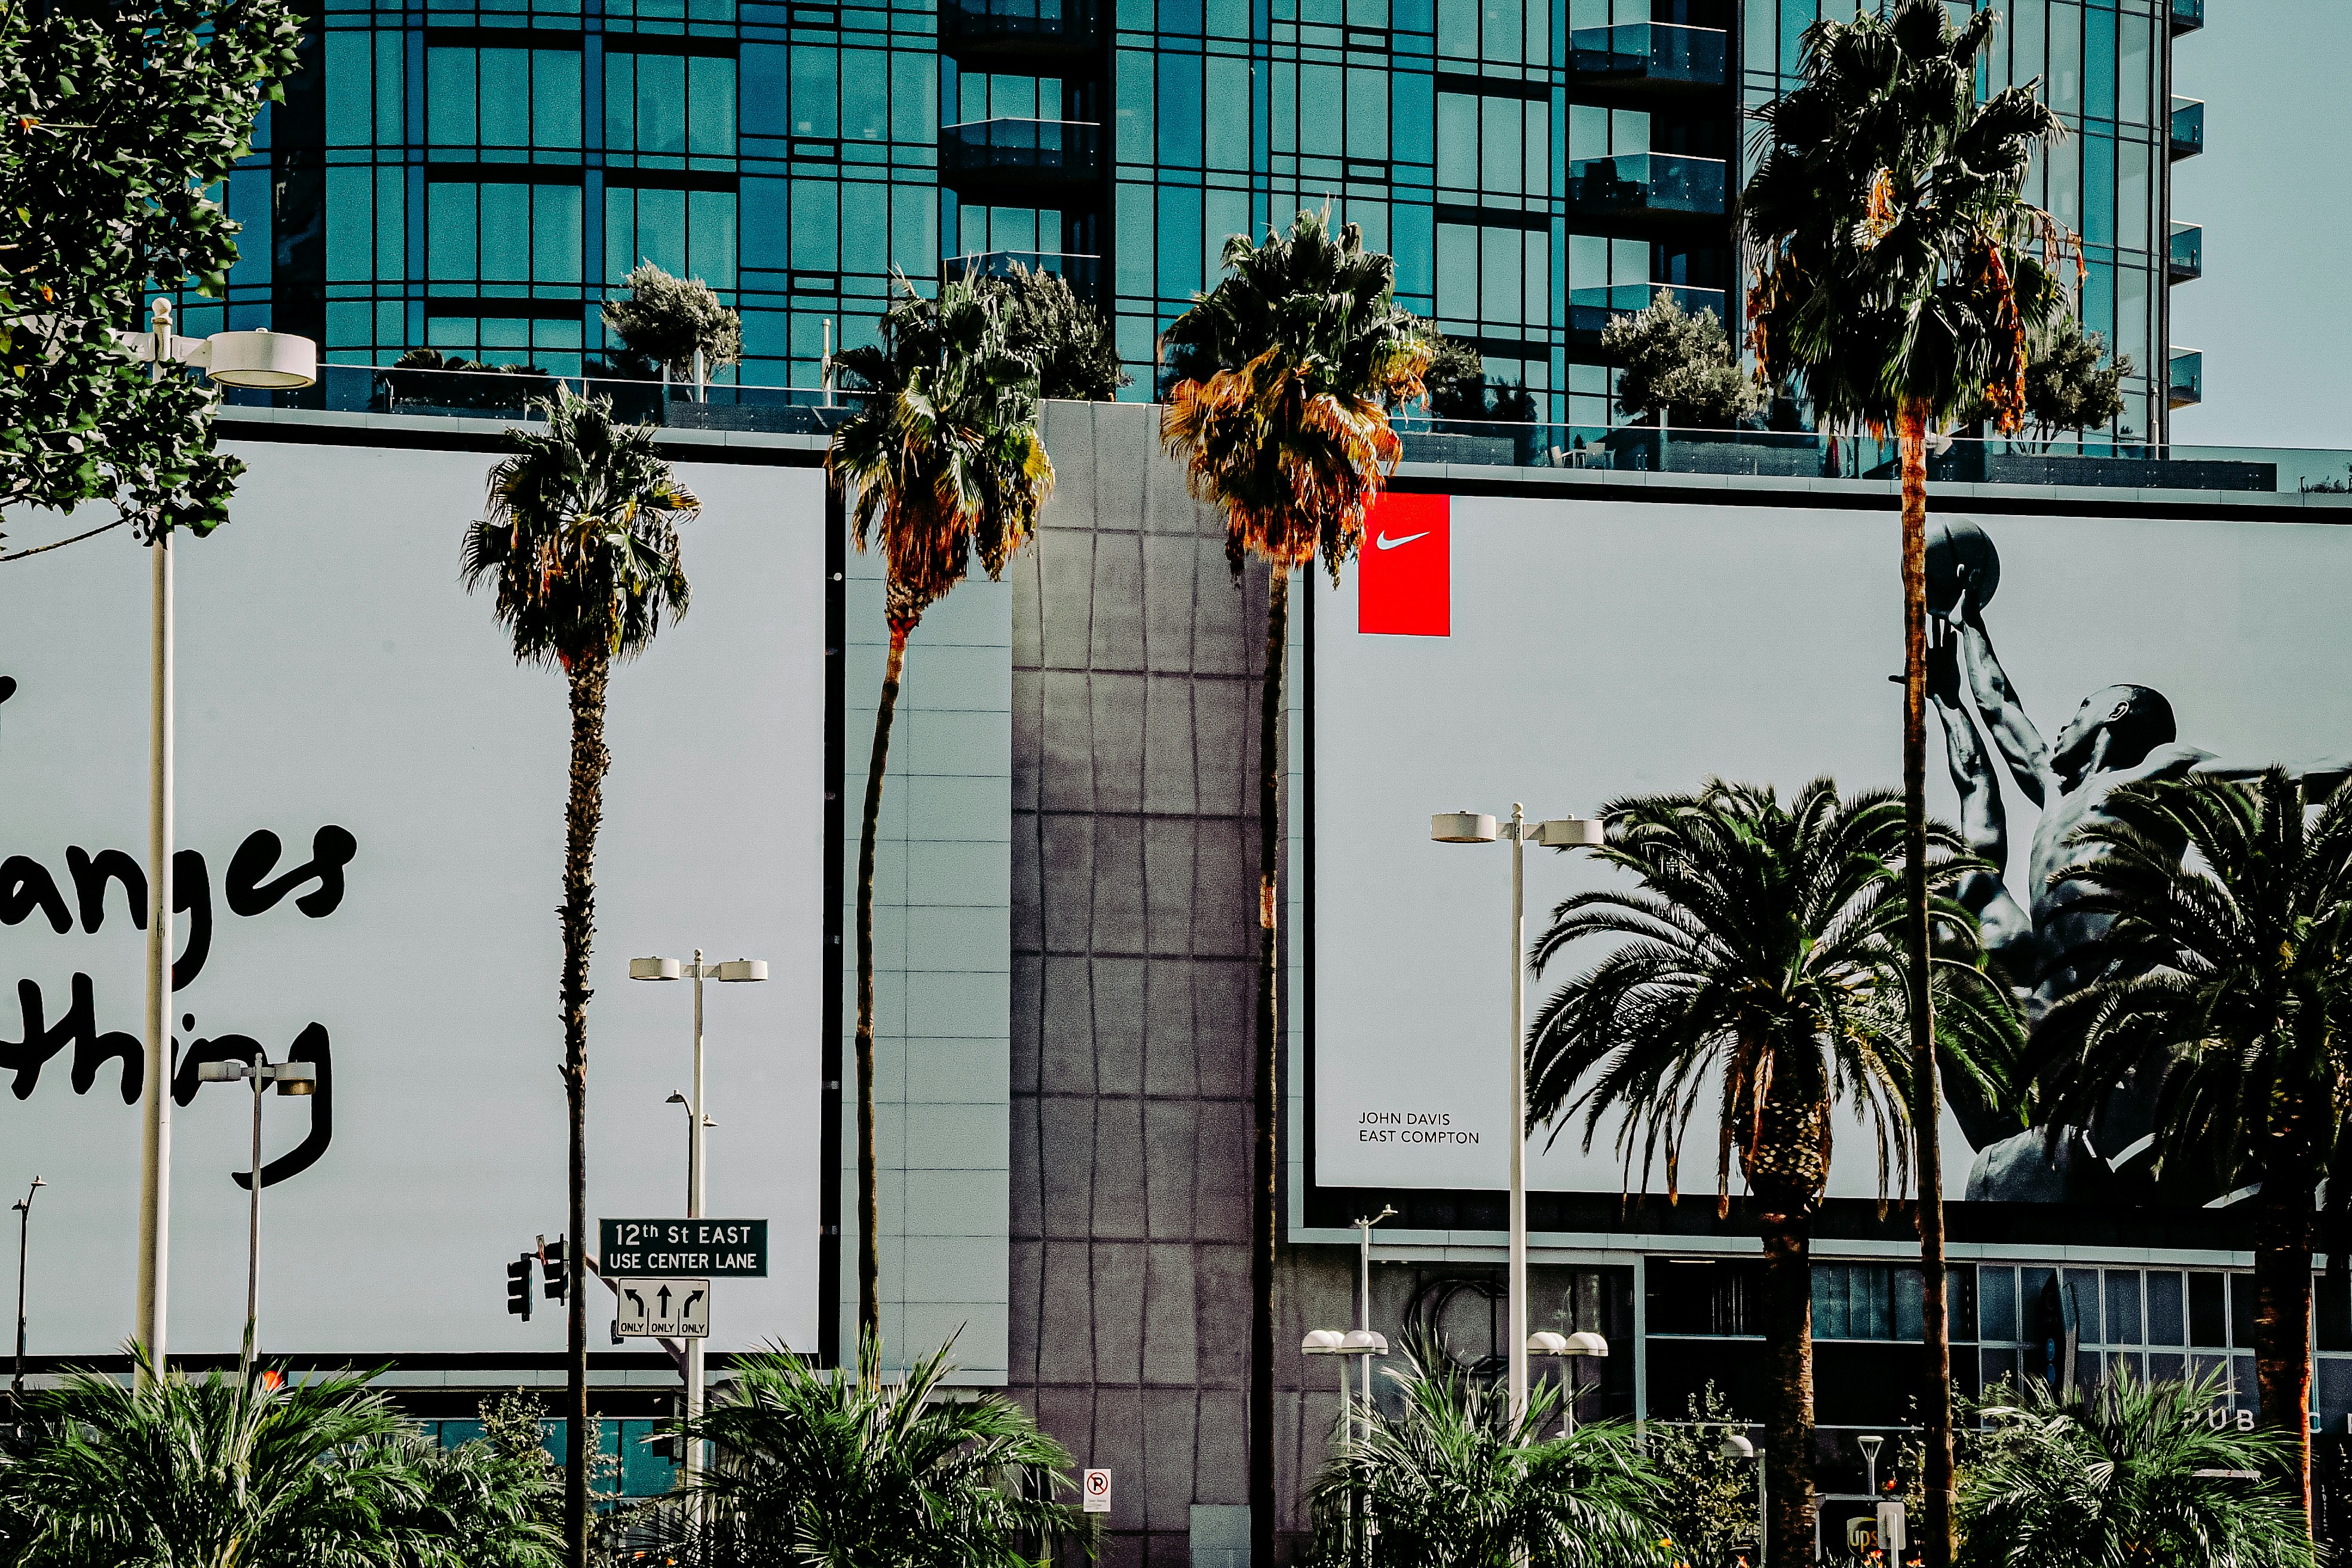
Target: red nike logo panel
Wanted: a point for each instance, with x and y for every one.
(1404, 581)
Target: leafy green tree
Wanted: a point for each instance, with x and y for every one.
(581, 545)
(1454, 1481)
(2129, 1475)
(667, 319)
(1709, 1511)
(1679, 364)
(830, 1469)
(1756, 963)
(2226, 977)
(108, 135)
(1455, 380)
(1900, 273)
(1070, 340)
(945, 458)
(1286, 373)
(2066, 385)
(178, 1472)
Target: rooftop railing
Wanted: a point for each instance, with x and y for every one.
(1633, 184)
(2099, 462)
(1648, 54)
(2188, 379)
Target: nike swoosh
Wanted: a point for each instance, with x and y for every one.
(1385, 543)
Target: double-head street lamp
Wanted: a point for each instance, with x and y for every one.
(734, 970)
(291, 1077)
(1582, 1342)
(1561, 833)
(261, 360)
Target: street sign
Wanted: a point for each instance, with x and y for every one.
(712, 1248)
(663, 1308)
(1095, 1490)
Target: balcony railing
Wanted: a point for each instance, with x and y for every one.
(2188, 127)
(1636, 184)
(2187, 377)
(1649, 54)
(2188, 15)
(2187, 257)
(1590, 311)
(1082, 273)
(984, 153)
(978, 27)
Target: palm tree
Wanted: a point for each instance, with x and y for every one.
(580, 540)
(2130, 1475)
(825, 1469)
(1759, 963)
(250, 1473)
(1285, 373)
(2227, 977)
(1898, 273)
(946, 462)
(1455, 1480)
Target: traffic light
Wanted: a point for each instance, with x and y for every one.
(550, 1256)
(519, 1288)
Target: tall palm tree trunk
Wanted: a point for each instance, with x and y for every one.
(1785, 1222)
(2283, 1327)
(1268, 1215)
(870, 1205)
(583, 815)
(1935, 1399)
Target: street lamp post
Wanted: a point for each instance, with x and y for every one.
(263, 359)
(1561, 833)
(24, 1208)
(733, 971)
(291, 1077)
(1735, 1446)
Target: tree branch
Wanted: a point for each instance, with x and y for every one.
(61, 543)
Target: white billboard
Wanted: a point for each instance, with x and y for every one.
(1565, 653)
(375, 791)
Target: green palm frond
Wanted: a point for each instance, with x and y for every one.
(944, 453)
(1756, 963)
(580, 536)
(822, 1468)
(2131, 1474)
(1895, 261)
(1455, 1480)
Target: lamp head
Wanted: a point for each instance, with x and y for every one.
(655, 969)
(1363, 1341)
(296, 1077)
(1322, 1341)
(222, 1072)
(1570, 833)
(1462, 827)
(675, 1099)
(1584, 1342)
(1869, 1445)
(1543, 1341)
(1737, 1446)
(739, 969)
(263, 359)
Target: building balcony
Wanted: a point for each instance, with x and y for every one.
(2188, 127)
(2187, 257)
(1590, 311)
(1019, 158)
(1029, 29)
(1639, 188)
(2188, 15)
(2188, 380)
(1082, 273)
(1656, 56)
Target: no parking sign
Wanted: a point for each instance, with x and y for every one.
(1094, 1489)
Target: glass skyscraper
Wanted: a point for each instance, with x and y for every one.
(476, 174)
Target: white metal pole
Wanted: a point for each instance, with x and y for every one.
(1517, 1314)
(691, 1456)
(253, 1241)
(155, 1127)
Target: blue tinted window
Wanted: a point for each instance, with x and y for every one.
(555, 98)
(1179, 111)
(1228, 128)
(449, 96)
(2099, 63)
(1179, 242)
(2099, 190)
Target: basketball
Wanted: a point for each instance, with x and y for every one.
(1956, 547)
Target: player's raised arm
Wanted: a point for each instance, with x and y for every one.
(2021, 744)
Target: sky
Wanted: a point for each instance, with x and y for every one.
(2273, 190)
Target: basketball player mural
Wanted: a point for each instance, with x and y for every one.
(2118, 735)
